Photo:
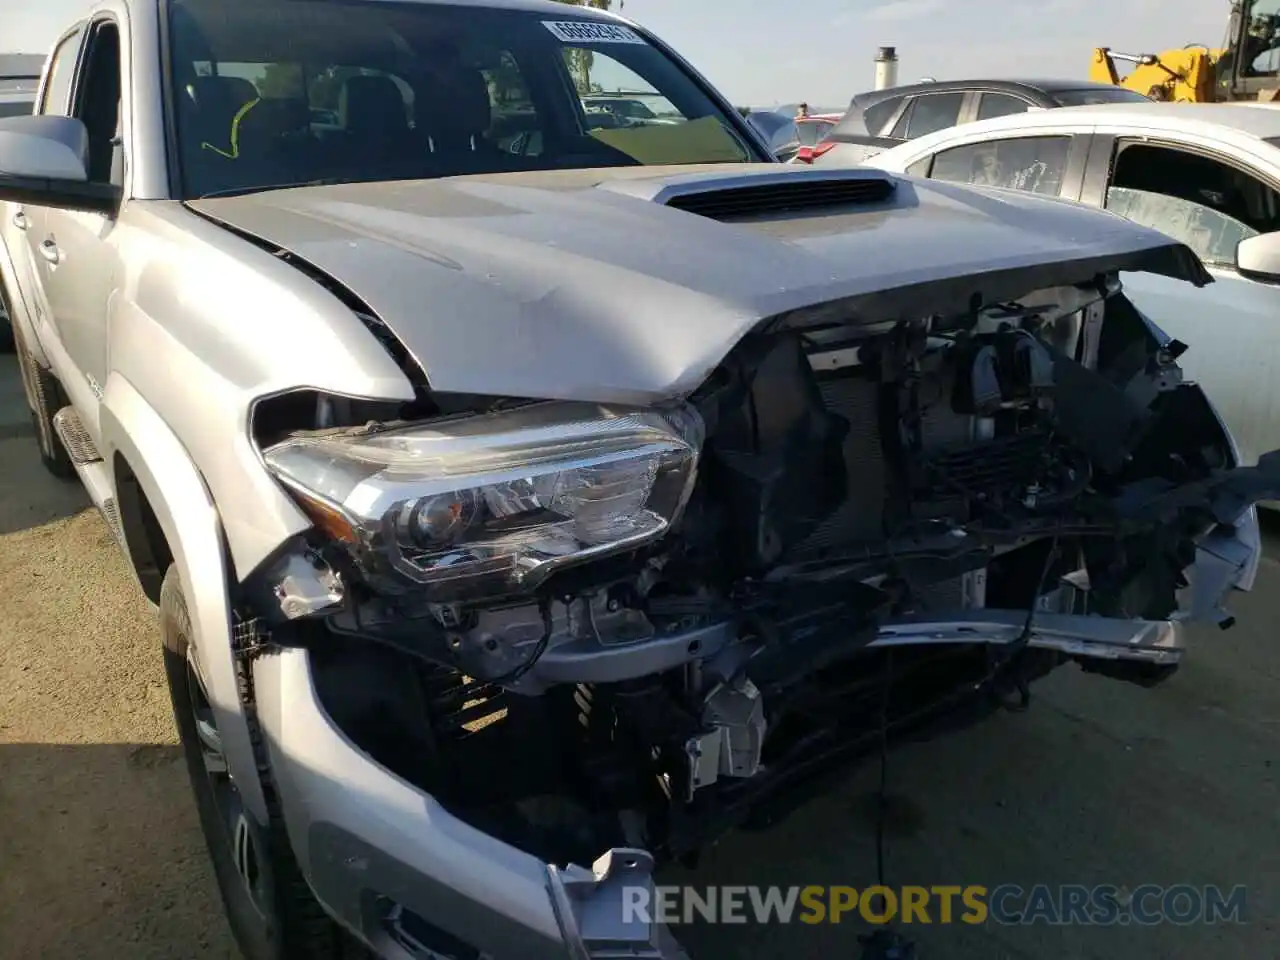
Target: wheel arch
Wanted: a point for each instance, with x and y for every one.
(149, 551)
(172, 515)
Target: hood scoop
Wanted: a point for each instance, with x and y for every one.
(720, 196)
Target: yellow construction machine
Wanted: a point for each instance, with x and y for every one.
(1246, 67)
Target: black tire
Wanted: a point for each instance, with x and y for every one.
(7, 342)
(44, 399)
(270, 908)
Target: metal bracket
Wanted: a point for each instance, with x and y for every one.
(607, 911)
(249, 639)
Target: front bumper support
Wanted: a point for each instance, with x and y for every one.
(1152, 641)
(373, 846)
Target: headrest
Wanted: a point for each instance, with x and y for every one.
(454, 106)
(221, 96)
(372, 105)
(271, 119)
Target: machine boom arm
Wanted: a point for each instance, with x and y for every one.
(1197, 74)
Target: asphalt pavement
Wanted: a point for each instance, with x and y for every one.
(1098, 783)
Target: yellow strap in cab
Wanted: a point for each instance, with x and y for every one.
(235, 132)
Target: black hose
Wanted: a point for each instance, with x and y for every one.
(544, 607)
(882, 799)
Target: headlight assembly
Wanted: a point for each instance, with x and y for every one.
(491, 504)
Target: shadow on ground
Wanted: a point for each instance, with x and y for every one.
(32, 496)
(112, 830)
(29, 495)
(1099, 783)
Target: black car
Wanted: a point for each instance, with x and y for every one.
(19, 78)
(879, 119)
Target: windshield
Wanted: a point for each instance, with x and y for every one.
(1087, 97)
(278, 92)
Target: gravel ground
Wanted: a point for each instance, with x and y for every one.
(1098, 783)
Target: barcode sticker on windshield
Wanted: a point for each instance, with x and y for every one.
(589, 31)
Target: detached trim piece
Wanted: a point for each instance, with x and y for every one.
(590, 906)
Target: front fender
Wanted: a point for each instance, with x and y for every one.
(187, 515)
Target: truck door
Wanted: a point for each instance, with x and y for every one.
(75, 252)
(1210, 199)
(19, 224)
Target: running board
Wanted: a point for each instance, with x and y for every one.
(93, 471)
(76, 439)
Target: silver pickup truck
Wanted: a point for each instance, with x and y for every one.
(19, 77)
(526, 503)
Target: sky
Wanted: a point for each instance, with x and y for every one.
(822, 51)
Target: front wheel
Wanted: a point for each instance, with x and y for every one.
(7, 342)
(269, 906)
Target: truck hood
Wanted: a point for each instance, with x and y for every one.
(630, 285)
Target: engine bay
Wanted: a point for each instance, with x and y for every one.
(1028, 459)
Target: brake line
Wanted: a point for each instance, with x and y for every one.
(885, 943)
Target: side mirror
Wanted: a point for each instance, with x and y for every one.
(44, 162)
(1258, 258)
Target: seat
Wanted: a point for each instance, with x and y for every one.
(209, 119)
(372, 110)
(275, 141)
(211, 107)
(275, 118)
(454, 113)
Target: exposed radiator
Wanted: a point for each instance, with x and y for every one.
(995, 465)
(860, 518)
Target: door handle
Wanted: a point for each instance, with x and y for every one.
(20, 220)
(49, 250)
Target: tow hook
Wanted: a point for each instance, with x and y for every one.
(1013, 694)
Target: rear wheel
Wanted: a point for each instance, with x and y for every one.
(44, 399)
(269, 906)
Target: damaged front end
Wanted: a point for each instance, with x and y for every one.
(581, 627)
